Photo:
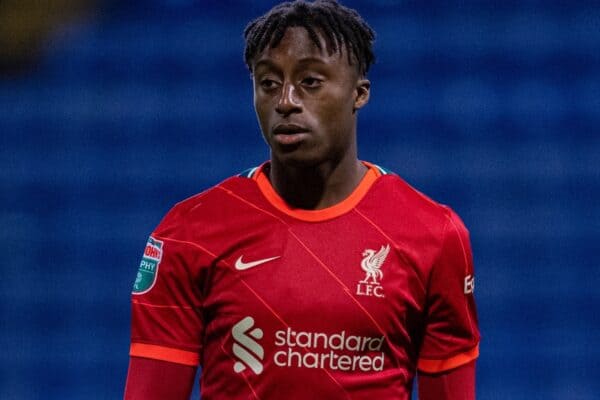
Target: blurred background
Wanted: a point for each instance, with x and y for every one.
(111, 112)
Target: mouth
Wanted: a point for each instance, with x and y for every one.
(289, 134)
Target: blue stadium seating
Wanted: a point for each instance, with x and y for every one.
(490, 107)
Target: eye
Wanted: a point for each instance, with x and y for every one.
(311, 82)
(267, 84)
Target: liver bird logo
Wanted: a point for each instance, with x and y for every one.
(372, 263)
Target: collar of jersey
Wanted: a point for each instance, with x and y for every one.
(316, 215)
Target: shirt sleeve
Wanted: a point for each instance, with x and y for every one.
(451, 336)
(166, 321)
(456, 384)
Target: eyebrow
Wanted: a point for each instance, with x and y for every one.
(302, 61)
(310, 60)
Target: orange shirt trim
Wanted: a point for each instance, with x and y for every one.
(317, 215)
(435, 366)
(164, 353)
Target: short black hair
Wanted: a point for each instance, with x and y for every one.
(338, 25)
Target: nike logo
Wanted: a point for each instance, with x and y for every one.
(240, 265)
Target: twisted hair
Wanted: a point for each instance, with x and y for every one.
(338, 25)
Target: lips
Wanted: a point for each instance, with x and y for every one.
(289, 134)
(289, 129)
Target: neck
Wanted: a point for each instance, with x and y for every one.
(316, 187)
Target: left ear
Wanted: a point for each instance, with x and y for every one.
(363, 88)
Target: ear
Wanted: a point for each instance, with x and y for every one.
(363, 89)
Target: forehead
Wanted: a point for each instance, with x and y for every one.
(296, 45)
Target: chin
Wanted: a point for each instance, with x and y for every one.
(297, 158)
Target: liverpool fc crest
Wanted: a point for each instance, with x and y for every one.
(371, 264)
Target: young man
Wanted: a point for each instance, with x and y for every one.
(314, 275)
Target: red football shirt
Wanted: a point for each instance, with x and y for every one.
(274, 302)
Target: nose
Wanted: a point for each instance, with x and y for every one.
(288, 101)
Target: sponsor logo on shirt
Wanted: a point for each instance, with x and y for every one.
(245, 347)
(304, 349)
(148, 269)
(469, 284)
(241, 265)
(371, 263)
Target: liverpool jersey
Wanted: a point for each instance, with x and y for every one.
(272, 302)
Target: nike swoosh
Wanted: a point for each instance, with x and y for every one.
(240, 265)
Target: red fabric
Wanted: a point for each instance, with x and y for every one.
(456, 384)
(149, 379)
(310, 318)
(451, 313)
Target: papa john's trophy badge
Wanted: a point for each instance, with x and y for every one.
(371, 264)
(148, 270)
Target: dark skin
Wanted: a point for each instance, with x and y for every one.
(306, 102)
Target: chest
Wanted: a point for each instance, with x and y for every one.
(324, 278)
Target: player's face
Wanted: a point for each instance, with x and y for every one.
(306, 100)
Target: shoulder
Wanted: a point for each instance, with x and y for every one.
(392, 195)
(207, 207)
(420, 227)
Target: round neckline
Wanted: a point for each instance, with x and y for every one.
(322, 214)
